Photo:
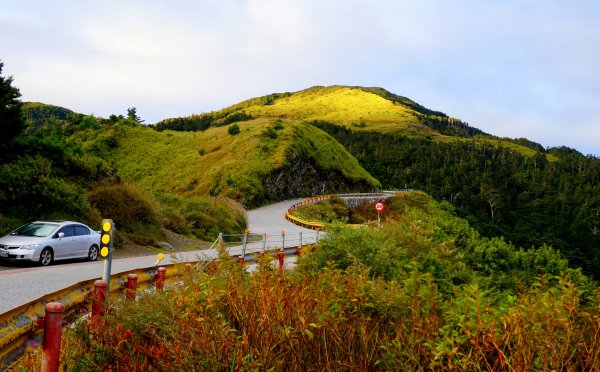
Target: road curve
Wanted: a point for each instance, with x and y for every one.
(22, 285)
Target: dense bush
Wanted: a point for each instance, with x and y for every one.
(203, 216)
(133, 211)
(427, 236)
(31, 189)
(332, 319)
(233, 129)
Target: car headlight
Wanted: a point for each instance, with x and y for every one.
(30, 247)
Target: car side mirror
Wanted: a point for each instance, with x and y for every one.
(61, 235)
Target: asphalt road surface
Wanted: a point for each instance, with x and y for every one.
(22, 283)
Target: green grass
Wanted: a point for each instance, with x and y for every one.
(362, 109)
(336, 104)
(214, 162)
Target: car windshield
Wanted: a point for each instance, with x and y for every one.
(35, 229)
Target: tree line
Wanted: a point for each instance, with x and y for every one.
(529, 200)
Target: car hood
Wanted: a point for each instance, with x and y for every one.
(20, 240)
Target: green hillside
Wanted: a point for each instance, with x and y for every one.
(246, 166)
(193, 170)
(358, 108)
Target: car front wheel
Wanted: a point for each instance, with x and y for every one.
(46, 257)
(93, 253)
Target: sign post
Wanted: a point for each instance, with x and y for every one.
(379, 207)
(107, 233)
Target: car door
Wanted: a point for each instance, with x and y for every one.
(64, 246)
(83, 241)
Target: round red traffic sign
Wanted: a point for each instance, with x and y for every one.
(379, 206)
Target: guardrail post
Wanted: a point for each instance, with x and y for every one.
(160, 278)
(245, 243)
(280, 257)
(318, 233)
(99, 300)
(52, 334)
(300, 238)
(265, 241)
(131, 286)
(282, 238)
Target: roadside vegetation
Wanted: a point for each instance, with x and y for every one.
(336, 209)
(424, 292)
(551, 197)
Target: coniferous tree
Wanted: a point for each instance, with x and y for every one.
(11, 117)
(132, 115)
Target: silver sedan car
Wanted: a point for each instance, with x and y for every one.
(49, 241)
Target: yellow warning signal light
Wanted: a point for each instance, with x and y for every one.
(106, 237)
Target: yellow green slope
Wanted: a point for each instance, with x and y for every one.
(254, 166)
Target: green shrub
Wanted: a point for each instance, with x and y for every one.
(133, 211)
(202, 216)
(32, 191)
(233, 129)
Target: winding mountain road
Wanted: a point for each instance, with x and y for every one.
(22, 285)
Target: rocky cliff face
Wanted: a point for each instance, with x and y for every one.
(302, 177)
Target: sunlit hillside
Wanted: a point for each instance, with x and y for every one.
(253, 166)
(358, 108)
(341, 105)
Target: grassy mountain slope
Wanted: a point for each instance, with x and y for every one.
(358, 108)
(254, 166)
(339, 105)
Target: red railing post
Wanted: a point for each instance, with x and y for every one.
(160, 278)
(280, 256)
(188, 268)
(131, 286)
(52, 334)
(240, 260)
(99, 300)
(299, 251)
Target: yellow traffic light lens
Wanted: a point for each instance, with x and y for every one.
(104, 252)
(105, 239)
(106, 226)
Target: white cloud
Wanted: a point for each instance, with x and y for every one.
(490, 63)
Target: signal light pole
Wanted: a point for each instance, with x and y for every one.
(107, 233)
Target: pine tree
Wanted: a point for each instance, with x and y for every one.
(11, 116)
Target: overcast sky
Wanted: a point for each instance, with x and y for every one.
(516, 68)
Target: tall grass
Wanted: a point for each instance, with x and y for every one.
(333, 319)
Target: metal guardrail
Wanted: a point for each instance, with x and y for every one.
(19, 327)
(316, 225)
